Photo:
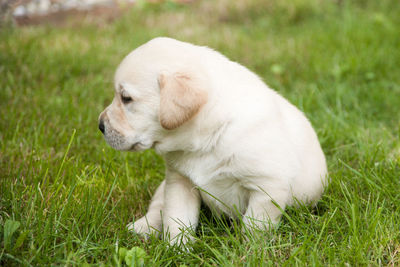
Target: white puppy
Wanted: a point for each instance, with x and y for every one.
(227, 139)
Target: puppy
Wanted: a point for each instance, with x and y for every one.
(227, 139)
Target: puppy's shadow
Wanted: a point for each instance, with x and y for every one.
(211, 224)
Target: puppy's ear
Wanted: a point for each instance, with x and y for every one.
(181, 97)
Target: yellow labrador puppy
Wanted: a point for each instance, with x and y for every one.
(227, 139)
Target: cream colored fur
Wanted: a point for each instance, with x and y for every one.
(227, 139)
(180, 99)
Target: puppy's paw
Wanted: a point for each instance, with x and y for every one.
(181, 238)
(143, 227)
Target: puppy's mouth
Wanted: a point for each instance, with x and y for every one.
(138, 146)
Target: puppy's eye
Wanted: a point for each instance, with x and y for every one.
(126, 99)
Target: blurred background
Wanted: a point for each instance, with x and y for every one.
(25, 12)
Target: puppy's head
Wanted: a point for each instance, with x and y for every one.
(152, 98)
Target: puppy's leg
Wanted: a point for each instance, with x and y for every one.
(181, 208)
(265, 208)
(151, 222)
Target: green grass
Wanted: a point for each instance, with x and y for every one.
(66, 196)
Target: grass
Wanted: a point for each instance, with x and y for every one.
(66, 196)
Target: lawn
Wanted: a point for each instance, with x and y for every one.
(66, 196)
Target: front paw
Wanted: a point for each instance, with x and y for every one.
(181, 237)
(143, 227)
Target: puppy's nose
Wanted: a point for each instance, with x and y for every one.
(101, 126)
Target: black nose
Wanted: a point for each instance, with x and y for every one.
(101, 126)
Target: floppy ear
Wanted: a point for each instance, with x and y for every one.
(181, 97)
